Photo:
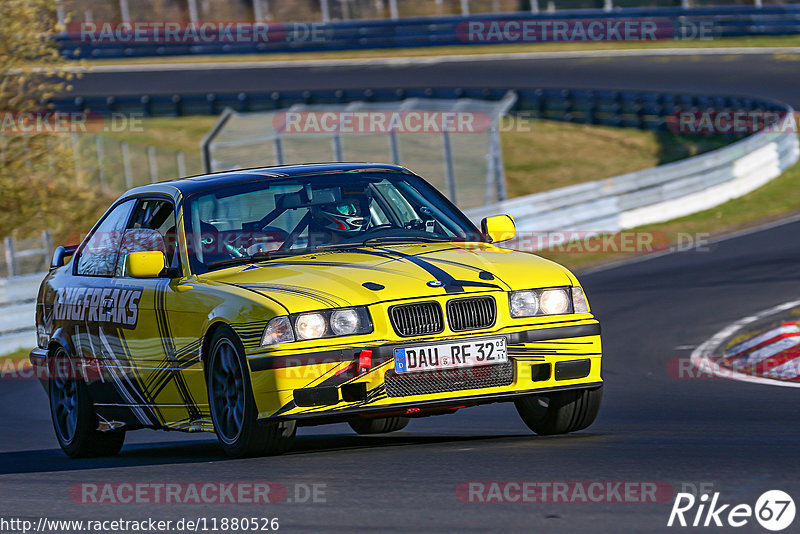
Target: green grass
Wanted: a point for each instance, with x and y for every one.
(17, 354)
(749, 41)
(168, 133)
(540, 155)
(10, 363)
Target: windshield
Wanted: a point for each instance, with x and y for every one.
(277, 217)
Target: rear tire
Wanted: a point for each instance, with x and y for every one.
(378, 425)
(233, 406)
(73, 413)
(560, 412)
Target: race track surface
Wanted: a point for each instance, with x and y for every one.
(768, 75)
(742, 438)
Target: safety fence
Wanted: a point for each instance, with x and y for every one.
(113, 164)
(94, 40)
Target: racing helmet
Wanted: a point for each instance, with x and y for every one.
(347, 217)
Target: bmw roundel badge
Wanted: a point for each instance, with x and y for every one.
(435, 283)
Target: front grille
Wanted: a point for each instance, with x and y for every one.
(471, 313)
(418, 319)
(449, 380)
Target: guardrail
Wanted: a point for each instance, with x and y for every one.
(659, 194)
(673, 23)
(17, 311)
(26, 255)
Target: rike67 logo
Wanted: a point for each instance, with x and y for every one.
(774, 510)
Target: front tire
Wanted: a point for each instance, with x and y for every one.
(74, 416)
(378, 425)
(560, 412)
(233, 406)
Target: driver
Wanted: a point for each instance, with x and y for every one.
(332, 223)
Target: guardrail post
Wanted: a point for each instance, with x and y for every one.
(277, 147)
(394, 13)
(47, 247)
(75, 156)
(685, 4)
(11, 260)
(258, 14)
(101, 169)
(758, 3)
(325, 8)
(608, 5)
(499, 168)
(449, 172)
(534, 6)
(394, 147)
(193, 14)
(465, 7)
(336, 144)
(181, 161)
(62, 18)
(151, 159)
(124, 11)
(126, 164)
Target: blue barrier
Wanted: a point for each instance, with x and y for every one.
(643, 110)
(718, 21)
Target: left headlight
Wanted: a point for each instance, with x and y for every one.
(534, 302)
(318, 325)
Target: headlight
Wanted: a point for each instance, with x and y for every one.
(536, 302)
(524, 303)
(310, 326)
(278, 330)
(554, 302)
(317, 325)
(344, 322)
(579, 303)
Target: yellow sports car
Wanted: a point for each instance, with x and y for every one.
(250, 302)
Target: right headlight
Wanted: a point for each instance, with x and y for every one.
(317, 325)
(537, 302)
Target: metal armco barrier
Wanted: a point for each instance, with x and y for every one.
(672, 22)
(659, 194)
(17, 311)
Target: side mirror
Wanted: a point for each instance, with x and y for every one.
(499, 228)
(148, 264)
(60, 256)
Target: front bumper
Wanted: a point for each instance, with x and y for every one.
(325, 385)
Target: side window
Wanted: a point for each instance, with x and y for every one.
(152, 228)
(100, 252)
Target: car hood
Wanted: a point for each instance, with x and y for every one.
(367, 275)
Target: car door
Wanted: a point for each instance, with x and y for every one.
(165, 345)
(94, 309)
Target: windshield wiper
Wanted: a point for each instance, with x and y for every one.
(405, 239)
(258, 256)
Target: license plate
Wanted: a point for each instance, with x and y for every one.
(450, 355)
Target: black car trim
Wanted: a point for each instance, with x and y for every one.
(344, 413)
(381, 353)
